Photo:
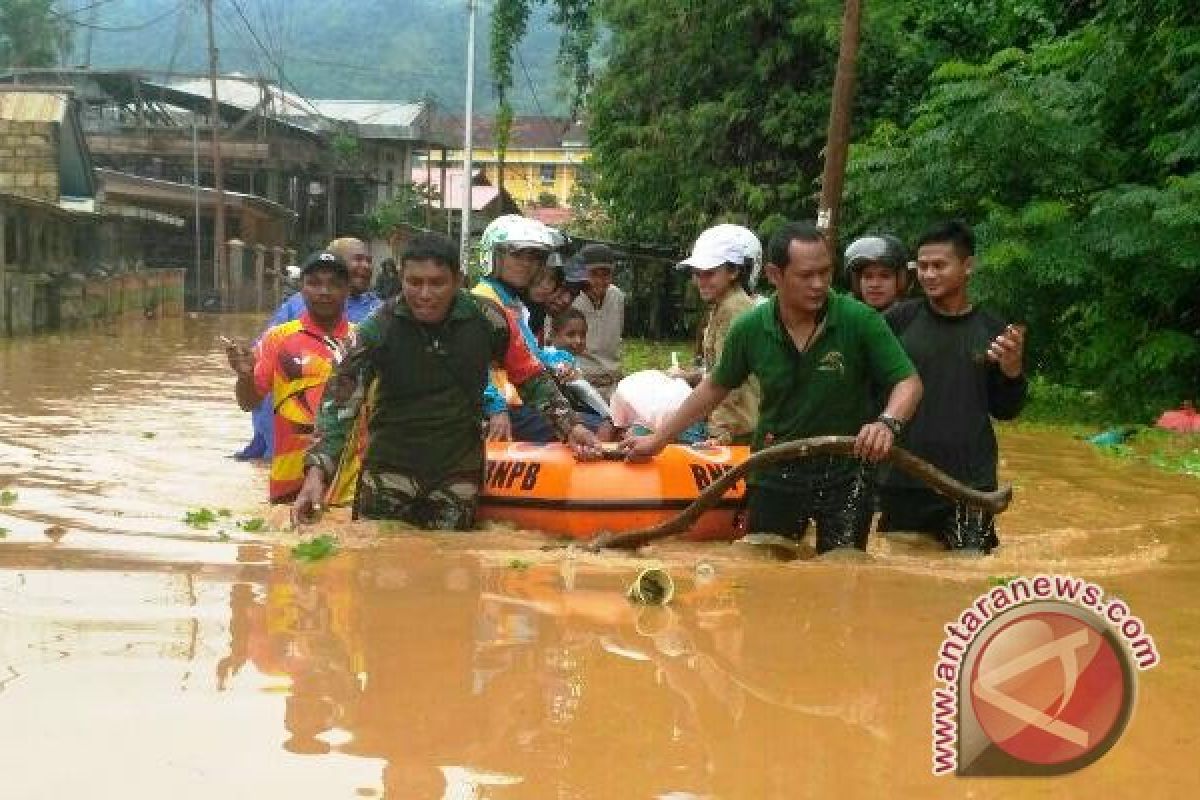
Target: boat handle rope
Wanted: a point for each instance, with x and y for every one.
(994, 502)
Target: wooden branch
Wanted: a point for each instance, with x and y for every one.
(992, 502)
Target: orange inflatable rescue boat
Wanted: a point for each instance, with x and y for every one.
(542, 487)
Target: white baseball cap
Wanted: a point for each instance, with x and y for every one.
(723, 244)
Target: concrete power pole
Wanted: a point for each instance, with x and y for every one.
(89, 35)
(221, 277)
(837, 139)
(464, 235)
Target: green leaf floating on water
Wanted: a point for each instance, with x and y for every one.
(315, 549)
(7, 498)
(253, 525)
(200, 518)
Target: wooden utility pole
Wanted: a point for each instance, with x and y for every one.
(837, 140)
(221, 278)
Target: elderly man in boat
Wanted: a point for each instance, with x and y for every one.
(423, 359)
(816, 354)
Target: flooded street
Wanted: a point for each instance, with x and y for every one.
(141, 657)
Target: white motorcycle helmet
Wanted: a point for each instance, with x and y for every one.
(514, 232)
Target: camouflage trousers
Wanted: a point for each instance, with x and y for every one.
(445, 506)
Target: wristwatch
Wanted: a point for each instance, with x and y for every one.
(891, 423)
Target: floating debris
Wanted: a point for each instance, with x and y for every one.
(315, 549)
(652, 587)
(200, 518)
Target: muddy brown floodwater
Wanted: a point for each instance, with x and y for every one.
(143, 658)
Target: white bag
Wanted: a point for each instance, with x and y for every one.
(647, 398)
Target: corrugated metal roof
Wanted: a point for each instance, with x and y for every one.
(370, 112)
(120, 183)
(373, 119)
(25, 106)
(246, 93)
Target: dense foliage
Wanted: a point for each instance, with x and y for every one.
(32, 34)
(411, 204)
(1067, 132)
(1077, 157)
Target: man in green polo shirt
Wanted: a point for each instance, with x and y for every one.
(816, 354)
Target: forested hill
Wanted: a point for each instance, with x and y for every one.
(359, 49)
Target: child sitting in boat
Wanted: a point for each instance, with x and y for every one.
(568, 339)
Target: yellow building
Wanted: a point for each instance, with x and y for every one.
(543, 162)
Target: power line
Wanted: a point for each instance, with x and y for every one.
(182, 26)
(258, 67)
(324, 62)
(120, 28)
(272, 21)
(284, 80)
(447, 72)
(532, 89)
(266, 51)
(282, 76)
(88, 7)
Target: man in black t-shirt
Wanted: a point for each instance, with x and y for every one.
(971, 364)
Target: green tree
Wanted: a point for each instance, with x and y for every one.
(1078, 160)
(510, 24)
(707, 110)
(407, 207)
(32, 33)
(1067, 131)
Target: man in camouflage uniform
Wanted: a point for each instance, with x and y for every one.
(421, 363)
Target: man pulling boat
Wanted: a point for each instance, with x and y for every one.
(423, 360)
(816, 354)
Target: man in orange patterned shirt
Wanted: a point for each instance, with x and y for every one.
(292, 362)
